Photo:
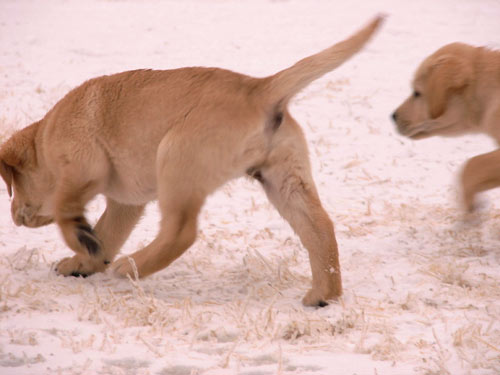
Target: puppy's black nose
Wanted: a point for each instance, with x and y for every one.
(394, 116)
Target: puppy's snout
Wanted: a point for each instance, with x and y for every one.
(23, 214)
(18, 218)
(395, 116)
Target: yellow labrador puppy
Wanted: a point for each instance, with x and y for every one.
(456, 91)
(176, 136)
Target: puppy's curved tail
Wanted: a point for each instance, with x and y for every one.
(282, 86)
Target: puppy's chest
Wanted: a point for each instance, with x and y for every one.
(136, 186)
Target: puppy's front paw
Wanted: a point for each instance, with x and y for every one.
(479, 174)
(79, 265)
(87, 237)
(468, 201)
(125, 266)
(473, 216)
(80, 236)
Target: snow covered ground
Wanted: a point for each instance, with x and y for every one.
(422, 291)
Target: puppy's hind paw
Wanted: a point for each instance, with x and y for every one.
(314, 300)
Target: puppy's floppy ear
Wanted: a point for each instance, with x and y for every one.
(446, 74)
(7, 173)
(17, 153)
(11, 157)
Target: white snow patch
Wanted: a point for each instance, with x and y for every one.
(421, 285)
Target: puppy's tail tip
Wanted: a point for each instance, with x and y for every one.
(285, 84)
(379, 19)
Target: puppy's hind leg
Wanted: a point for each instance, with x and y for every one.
(112, 230)
(288, 183)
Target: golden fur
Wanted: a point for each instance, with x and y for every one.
(456, 91)
(176, 136)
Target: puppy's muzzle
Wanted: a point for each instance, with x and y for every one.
(27, 216)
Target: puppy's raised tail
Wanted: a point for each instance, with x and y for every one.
(281, 87)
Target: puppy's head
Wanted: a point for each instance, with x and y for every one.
(26, 180)
(437, 103)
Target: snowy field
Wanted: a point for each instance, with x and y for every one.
(421, 285)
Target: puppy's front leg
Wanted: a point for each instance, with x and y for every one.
(480, 173)
(181, 194)
(177, 233)
(73, 191)
(112, 230)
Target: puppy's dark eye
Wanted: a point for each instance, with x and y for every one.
(416, 94)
